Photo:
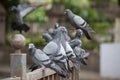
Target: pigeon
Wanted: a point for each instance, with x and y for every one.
(76, 46)
(33, 67)
(62, 34)
(47, 37)
(79, 23)
(81, 55)
(41, 59)
(20, 12)
(55, 50)
(76, 41)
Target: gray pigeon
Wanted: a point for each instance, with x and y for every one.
(20, 12)
(56, 52)
(76, 41)
(76, 46)
(54, 49)
(79, 23)
(62, 34)
(41, 59)
(81, 54)
(47, 36)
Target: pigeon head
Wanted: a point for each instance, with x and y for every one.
(31, 45)
(56, 25)
(60, 30)
(67, 11)
(61, 33)
(79, 33)
(14, 9)
(31, 49)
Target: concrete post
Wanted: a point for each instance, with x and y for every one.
(18, 65)
(117, 30)
(17, 59)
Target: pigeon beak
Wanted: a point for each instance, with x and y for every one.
(93, 31)
(65, 13)
(29, 47)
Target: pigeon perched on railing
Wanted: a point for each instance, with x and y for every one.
(62, 35)
(78, 23)
(20, 12)
(47, 37)
(41, 59)
(56, 52)
(76, 46)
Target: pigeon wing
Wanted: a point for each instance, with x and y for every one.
(46, 61)
(25, 9)
(51, 48)
(79, 21)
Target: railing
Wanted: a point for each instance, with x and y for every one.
(46, 74)
(18, 70)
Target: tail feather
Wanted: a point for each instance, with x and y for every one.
(33, 67)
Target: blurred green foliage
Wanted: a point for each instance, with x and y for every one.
(37, 16)
(111, 1)
(36, 39)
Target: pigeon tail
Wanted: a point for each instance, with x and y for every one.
(33, 67)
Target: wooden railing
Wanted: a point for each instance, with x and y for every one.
(19, 73)
(47, 74)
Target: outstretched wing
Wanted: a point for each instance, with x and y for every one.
(25, 8)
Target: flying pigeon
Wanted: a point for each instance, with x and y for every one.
(20, 12)
(41, 59)
(79, 23)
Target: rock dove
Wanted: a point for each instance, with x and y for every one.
(33, 67)
(47, 36)
(41, 59)
(56, 51)
(62, 34)
(79, 23)
(76, 41)
(76, 46)
(20, 12)
(81, 55)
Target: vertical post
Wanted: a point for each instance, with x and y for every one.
(18, 60)
(117, 32)
(18, 65)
